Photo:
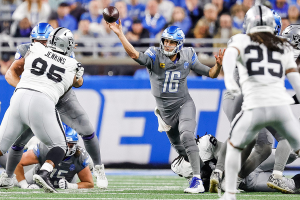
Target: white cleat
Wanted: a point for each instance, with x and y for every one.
(227, 196)
(99, 173)
(196, 186)
(5, 181)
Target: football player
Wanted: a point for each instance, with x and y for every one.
(263, 59)
(76, 161)
(48, 73)
(68, 107)
(168, 66)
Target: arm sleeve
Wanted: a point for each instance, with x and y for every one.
(197, 66)
(294, 79)
(290, 61)
(148, 58)
(229, 63)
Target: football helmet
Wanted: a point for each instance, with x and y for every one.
(277, 19)
(61, 40)
(172, 33)
(292, 34)
(71, 137)
(259, 19)
(41, 32)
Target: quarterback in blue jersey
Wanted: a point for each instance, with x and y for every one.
(75, 162)
(168, 67)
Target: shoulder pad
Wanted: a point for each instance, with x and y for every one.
(151, 53)
(22, 50)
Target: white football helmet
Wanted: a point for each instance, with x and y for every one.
(259, 19)
(61, 40)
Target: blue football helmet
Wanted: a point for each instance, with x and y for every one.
(71, 137)
(41, 32)
(172, 33)
(277, 19)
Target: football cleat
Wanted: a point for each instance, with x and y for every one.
(99, 173)
(42, 178)
(196, 186)
(5, 181)
(227, 196)
(279, 184)
(215, 180)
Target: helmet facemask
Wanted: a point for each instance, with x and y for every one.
(176, 49)
(71, 150)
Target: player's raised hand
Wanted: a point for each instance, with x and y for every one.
(117, 28)
(219, 57)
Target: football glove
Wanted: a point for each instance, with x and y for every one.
(79, 72)
(64, 184)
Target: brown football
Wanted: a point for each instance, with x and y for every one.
(111, 14)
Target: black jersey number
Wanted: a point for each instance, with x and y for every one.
(259, 58)
(39, 67)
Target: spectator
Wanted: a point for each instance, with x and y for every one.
(180, 19)
(136, 10)
(210, 17)
(247, 4)
(5, 63)
(225, 31)
(138, 32)
(34, 10)
(109, 38)
(83, 33)
(281, 7)
(293, 15)
(64, 18)
(165, 8)
(53, 23)
(153, 21)
(125, 19)
(194, 11)
(238, 15)
(24, 28)
(76, 9)
(220, 7)
(202, 30)
(94, 15)
(285, 23)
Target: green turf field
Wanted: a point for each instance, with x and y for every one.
(136, 187)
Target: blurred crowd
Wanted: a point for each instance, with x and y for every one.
(140, 18)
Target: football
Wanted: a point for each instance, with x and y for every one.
(111, 14)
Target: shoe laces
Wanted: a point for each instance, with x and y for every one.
(195, 182)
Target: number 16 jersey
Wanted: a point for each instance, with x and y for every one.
(47, 71)
(262, 72)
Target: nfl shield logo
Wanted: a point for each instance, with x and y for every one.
(185, 65)
(72, 167)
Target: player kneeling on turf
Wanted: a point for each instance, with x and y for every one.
(75, 162)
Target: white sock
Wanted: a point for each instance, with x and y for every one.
(220, 172)
(232, 167)
(47, 166)
(277, 174)
(198, 176)
(227, 194)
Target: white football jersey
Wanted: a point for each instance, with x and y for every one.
(262, 72)
(48, 72)
(207, 146)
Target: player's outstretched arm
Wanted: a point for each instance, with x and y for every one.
(294, 78)
(14, 72)
(215, 70)
(130, 50)
(86, 178)
(28, 158)
(228, 66)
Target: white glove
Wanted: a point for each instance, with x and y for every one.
(80, 71)
(64, 184)
(33, 186)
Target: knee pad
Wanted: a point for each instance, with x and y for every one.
(189, 142)
(56, 155)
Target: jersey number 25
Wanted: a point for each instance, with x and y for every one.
(260, 58)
